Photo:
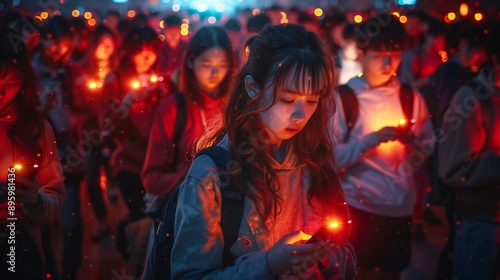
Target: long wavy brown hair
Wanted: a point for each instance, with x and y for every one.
(28, 126)
(278, 54)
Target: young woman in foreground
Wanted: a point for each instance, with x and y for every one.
(275, 127)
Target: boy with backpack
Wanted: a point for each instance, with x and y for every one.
(383, 134)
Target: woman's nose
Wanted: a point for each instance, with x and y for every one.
(298, 114)
(386, 61)
(215, 70)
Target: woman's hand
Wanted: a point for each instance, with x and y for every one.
(285, 254)
(387, 133)
(27, 192)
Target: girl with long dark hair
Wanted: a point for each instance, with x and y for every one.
(30, 170)
(275, 128)
(204, 82)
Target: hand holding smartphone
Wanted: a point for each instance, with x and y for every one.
(404, 126)
(333, 231)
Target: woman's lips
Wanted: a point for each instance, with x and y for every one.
(293, 129)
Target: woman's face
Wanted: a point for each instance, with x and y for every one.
(210, 68)
(290, 114)
(11, 80)
(56, 49)
(105, 48)
(144, 59)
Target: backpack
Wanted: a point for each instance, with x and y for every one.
(351, 106)
(231, 215)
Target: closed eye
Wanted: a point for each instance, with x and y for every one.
(287, 101)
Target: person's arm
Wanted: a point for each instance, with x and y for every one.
(159, 176)
(342, 263)
(463, 163)
(348, 153)
(199, 242)
(49, 181)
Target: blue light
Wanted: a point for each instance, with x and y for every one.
(202, 7)
(120, 1)
(407, 2)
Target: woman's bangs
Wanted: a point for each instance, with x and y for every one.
(307, 76)
(6, 67)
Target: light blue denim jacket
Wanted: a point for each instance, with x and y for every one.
(199, 243)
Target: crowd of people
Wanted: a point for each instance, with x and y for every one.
(361, 125)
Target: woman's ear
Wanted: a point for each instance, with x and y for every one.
(251, 86)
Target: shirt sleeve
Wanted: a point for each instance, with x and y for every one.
(50, 181)
(348, 152)
(463, 163)
(199, 243)
(159, 174)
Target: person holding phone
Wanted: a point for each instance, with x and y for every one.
(275, 126)
(377, 159)
(29, 163)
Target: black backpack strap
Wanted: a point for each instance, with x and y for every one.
(164, 237)
(487, 108)
(350, 106)
(179, 125)
(406, 99)
(232, 201)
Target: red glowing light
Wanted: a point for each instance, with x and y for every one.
(334, 224)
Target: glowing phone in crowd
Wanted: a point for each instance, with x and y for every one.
(18, 176)
(24, 174)
(404, 126)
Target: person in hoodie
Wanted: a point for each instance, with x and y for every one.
(275, 128)
(376, 160)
